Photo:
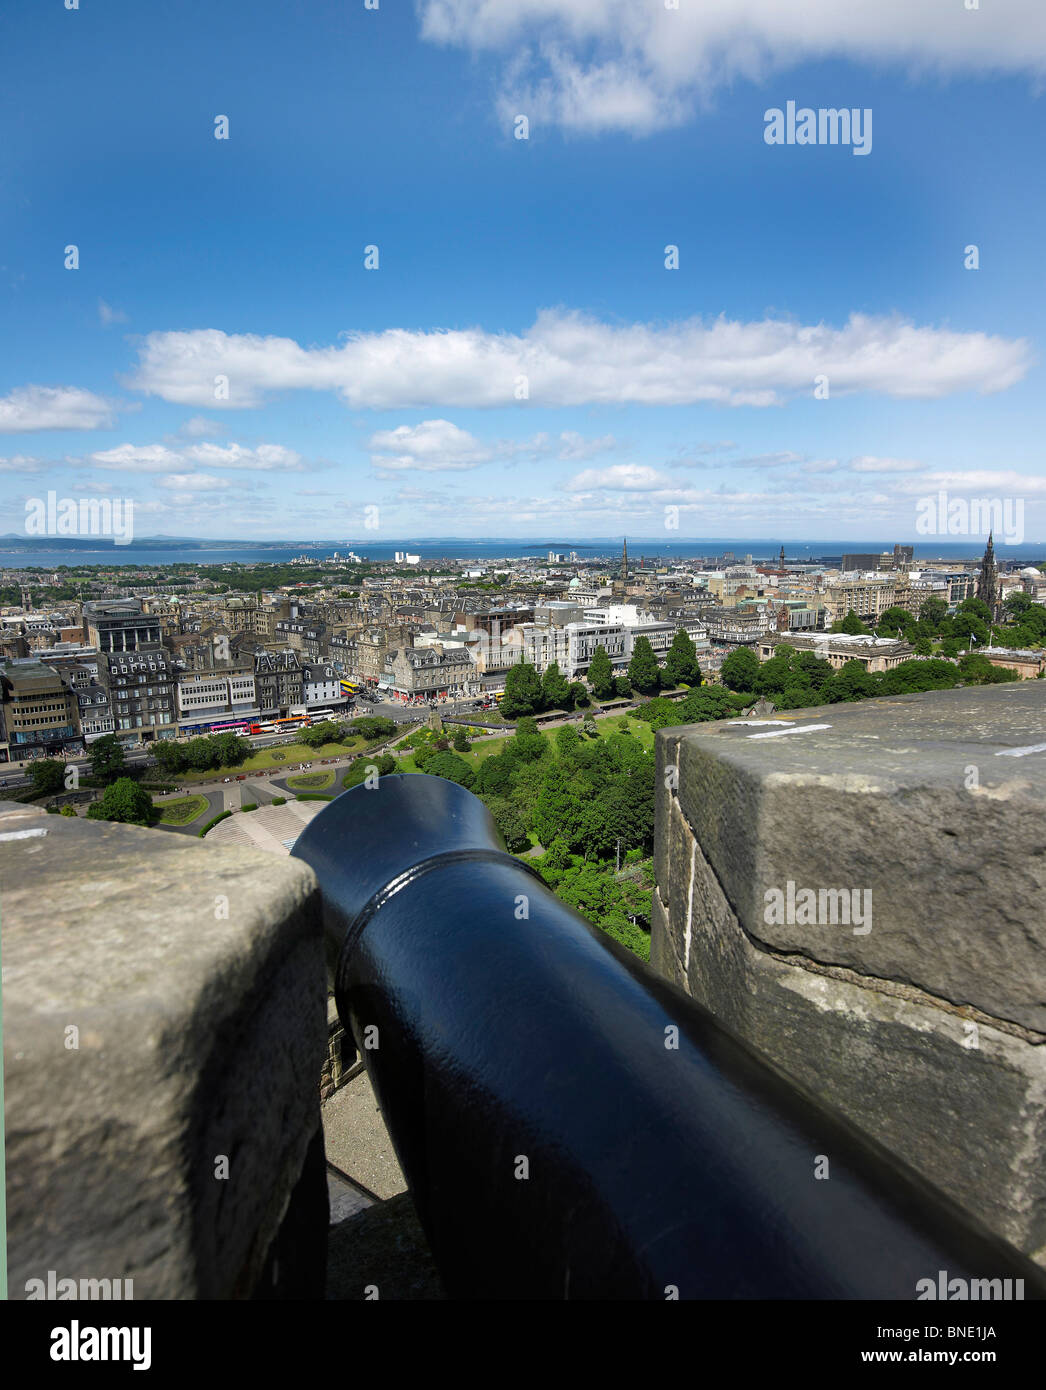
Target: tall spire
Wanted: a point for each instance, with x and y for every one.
(987, 582)
(782, 559)
(624, 560)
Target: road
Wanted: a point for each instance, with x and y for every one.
(386, 709)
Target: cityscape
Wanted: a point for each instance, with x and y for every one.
(523, 668)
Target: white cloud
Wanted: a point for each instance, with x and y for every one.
(109, 315)
(570, 359)
(30, 408)
(869, 464)
(432, 446)
(997, 482)
(194, 482)
(437, 446)
(199, 426)
(620, 477)
(22, 463)
(159, 458)
(592, 65)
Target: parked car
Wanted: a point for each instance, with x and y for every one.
(241, 777)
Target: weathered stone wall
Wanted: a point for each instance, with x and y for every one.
(164, 1028)
(928, 1029)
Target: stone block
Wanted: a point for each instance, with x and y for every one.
(164, 1022)
(927, 1031)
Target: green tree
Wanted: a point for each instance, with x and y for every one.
(977, 607)
(1017, 604)
(601, 674)
(522, 691)
(124, 800)
(370, 726)
(107, 758)
(579, 697)
(230, 750)
(199, 753)
(555, 688)
(461, 739)
(739, 669)
(555, 859)
(526, 745)
(622, 687)
(325, 732)
(774, 675)
(681, 661)
(911, 676)
(852, 626)
(47, 775)
(424, 755)
(850, 682)
(450, 767)
(643, 670)
(510, 824)
(933, 612)
(557, 811)
(978, 670)
(493, 776)
(169, 756)
(567, 741)
(896, 620)
(967, 623)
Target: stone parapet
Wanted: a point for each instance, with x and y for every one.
(857, 891)
(164, 1021)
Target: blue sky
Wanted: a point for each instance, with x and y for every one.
(499, 258)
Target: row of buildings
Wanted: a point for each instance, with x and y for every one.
(161, 664)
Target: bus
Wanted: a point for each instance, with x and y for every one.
(237, 726)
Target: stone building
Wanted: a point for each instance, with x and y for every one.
(837, 648)
(414, 674)
(141, 687)
(41, 713)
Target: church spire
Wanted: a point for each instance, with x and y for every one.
(624, 560)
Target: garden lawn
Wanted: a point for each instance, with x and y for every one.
(312, 781)
(183, 811)
(289, 754)
(605, 723)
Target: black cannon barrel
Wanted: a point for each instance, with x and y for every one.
(572, 1126)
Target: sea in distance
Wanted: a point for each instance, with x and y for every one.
(14, 554)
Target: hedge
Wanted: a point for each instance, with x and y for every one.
(279, 801)
(314, 796)
(212, 823)
(251, 806)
